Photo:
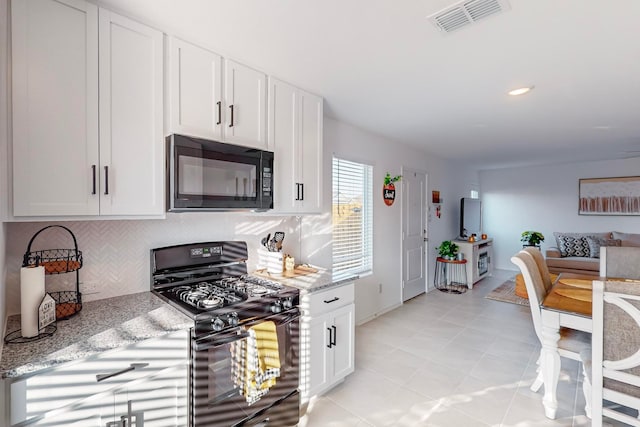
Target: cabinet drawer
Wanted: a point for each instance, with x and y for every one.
(36, 395)
(333, 298)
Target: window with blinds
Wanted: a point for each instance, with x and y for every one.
(352, 217)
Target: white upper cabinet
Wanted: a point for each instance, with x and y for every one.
(55, 113)
(245, 92)
(195, 88)
(295, 136)
(203, 104)
(131, 137)
(87, 134)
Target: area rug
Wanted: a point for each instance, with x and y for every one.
(507, 293)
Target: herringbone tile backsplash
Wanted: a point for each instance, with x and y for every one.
(116, 253)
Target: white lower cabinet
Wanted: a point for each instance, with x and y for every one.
(328, 339)
(147, 380)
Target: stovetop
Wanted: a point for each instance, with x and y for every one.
(233, 291)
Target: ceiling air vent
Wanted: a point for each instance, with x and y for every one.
(467, 12)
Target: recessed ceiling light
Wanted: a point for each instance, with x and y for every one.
(520, 91)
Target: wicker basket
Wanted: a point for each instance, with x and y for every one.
(58, 261)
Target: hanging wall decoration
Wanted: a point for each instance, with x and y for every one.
(389, 190)
(437, 202)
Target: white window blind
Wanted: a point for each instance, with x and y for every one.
(352, 217)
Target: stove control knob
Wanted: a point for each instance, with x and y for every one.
(217, 324)
(232, 319)
(287, 303)
(276, 307)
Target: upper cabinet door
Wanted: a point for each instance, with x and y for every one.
(246, 106)
(195, 91)
(283, 141)
(311, 120)
(131, 137)
(55, 107)
(295, 136)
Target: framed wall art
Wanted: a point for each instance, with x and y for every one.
(609, 196)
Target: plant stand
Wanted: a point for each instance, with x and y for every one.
(451, 275)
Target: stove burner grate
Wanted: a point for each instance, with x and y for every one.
(207, 295)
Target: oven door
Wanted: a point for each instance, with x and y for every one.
(213, 175)
(240, 374)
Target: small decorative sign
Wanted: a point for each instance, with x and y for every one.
(389, 190)
(435, 197)
(46, 312)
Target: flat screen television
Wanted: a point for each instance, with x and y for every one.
(470, 217)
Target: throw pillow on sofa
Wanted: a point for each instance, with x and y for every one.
(628, 239)
(595, 243)
(575, 244)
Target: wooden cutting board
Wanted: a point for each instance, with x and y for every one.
(299, 270)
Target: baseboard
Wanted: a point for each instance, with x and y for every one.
(378, 314)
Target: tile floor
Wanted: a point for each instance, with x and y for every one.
(448, 360)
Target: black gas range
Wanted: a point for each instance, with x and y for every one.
(234, 314)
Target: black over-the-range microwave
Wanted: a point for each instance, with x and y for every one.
(205, 175)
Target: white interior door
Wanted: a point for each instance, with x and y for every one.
(414, 233)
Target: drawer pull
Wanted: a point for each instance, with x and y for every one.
(331, 300)
(132, 367)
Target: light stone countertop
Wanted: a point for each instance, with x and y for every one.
(101, 325)
(312, 282)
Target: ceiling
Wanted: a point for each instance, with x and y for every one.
(384, 67)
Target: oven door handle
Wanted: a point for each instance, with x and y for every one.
(217, 339)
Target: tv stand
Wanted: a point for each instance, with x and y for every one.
(479, 256)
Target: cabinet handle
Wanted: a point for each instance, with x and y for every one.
(330, 338)
(106, 180)
(302, 188)
(298, 186)
(331, 300)
(132, 367)
(335, 335)
(93, 174)
(231, 107)
(219, 112)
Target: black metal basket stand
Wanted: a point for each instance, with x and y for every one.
(58, 261)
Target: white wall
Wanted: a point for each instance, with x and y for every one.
(545, 199)
(350, 143)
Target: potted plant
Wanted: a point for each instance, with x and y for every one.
(531, 238)
(448, 250)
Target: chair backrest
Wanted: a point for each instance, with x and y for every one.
(536, 290)
(620, 262)
(615, 347)
(542, 266)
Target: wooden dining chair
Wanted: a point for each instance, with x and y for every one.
(571, 343)
(547, 278)
(616, 351)
(620, 262)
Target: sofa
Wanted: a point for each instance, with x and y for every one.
(580, 252)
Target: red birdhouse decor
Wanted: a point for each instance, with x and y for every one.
(389, 190)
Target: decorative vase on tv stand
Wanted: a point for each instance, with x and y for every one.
(531, 238)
